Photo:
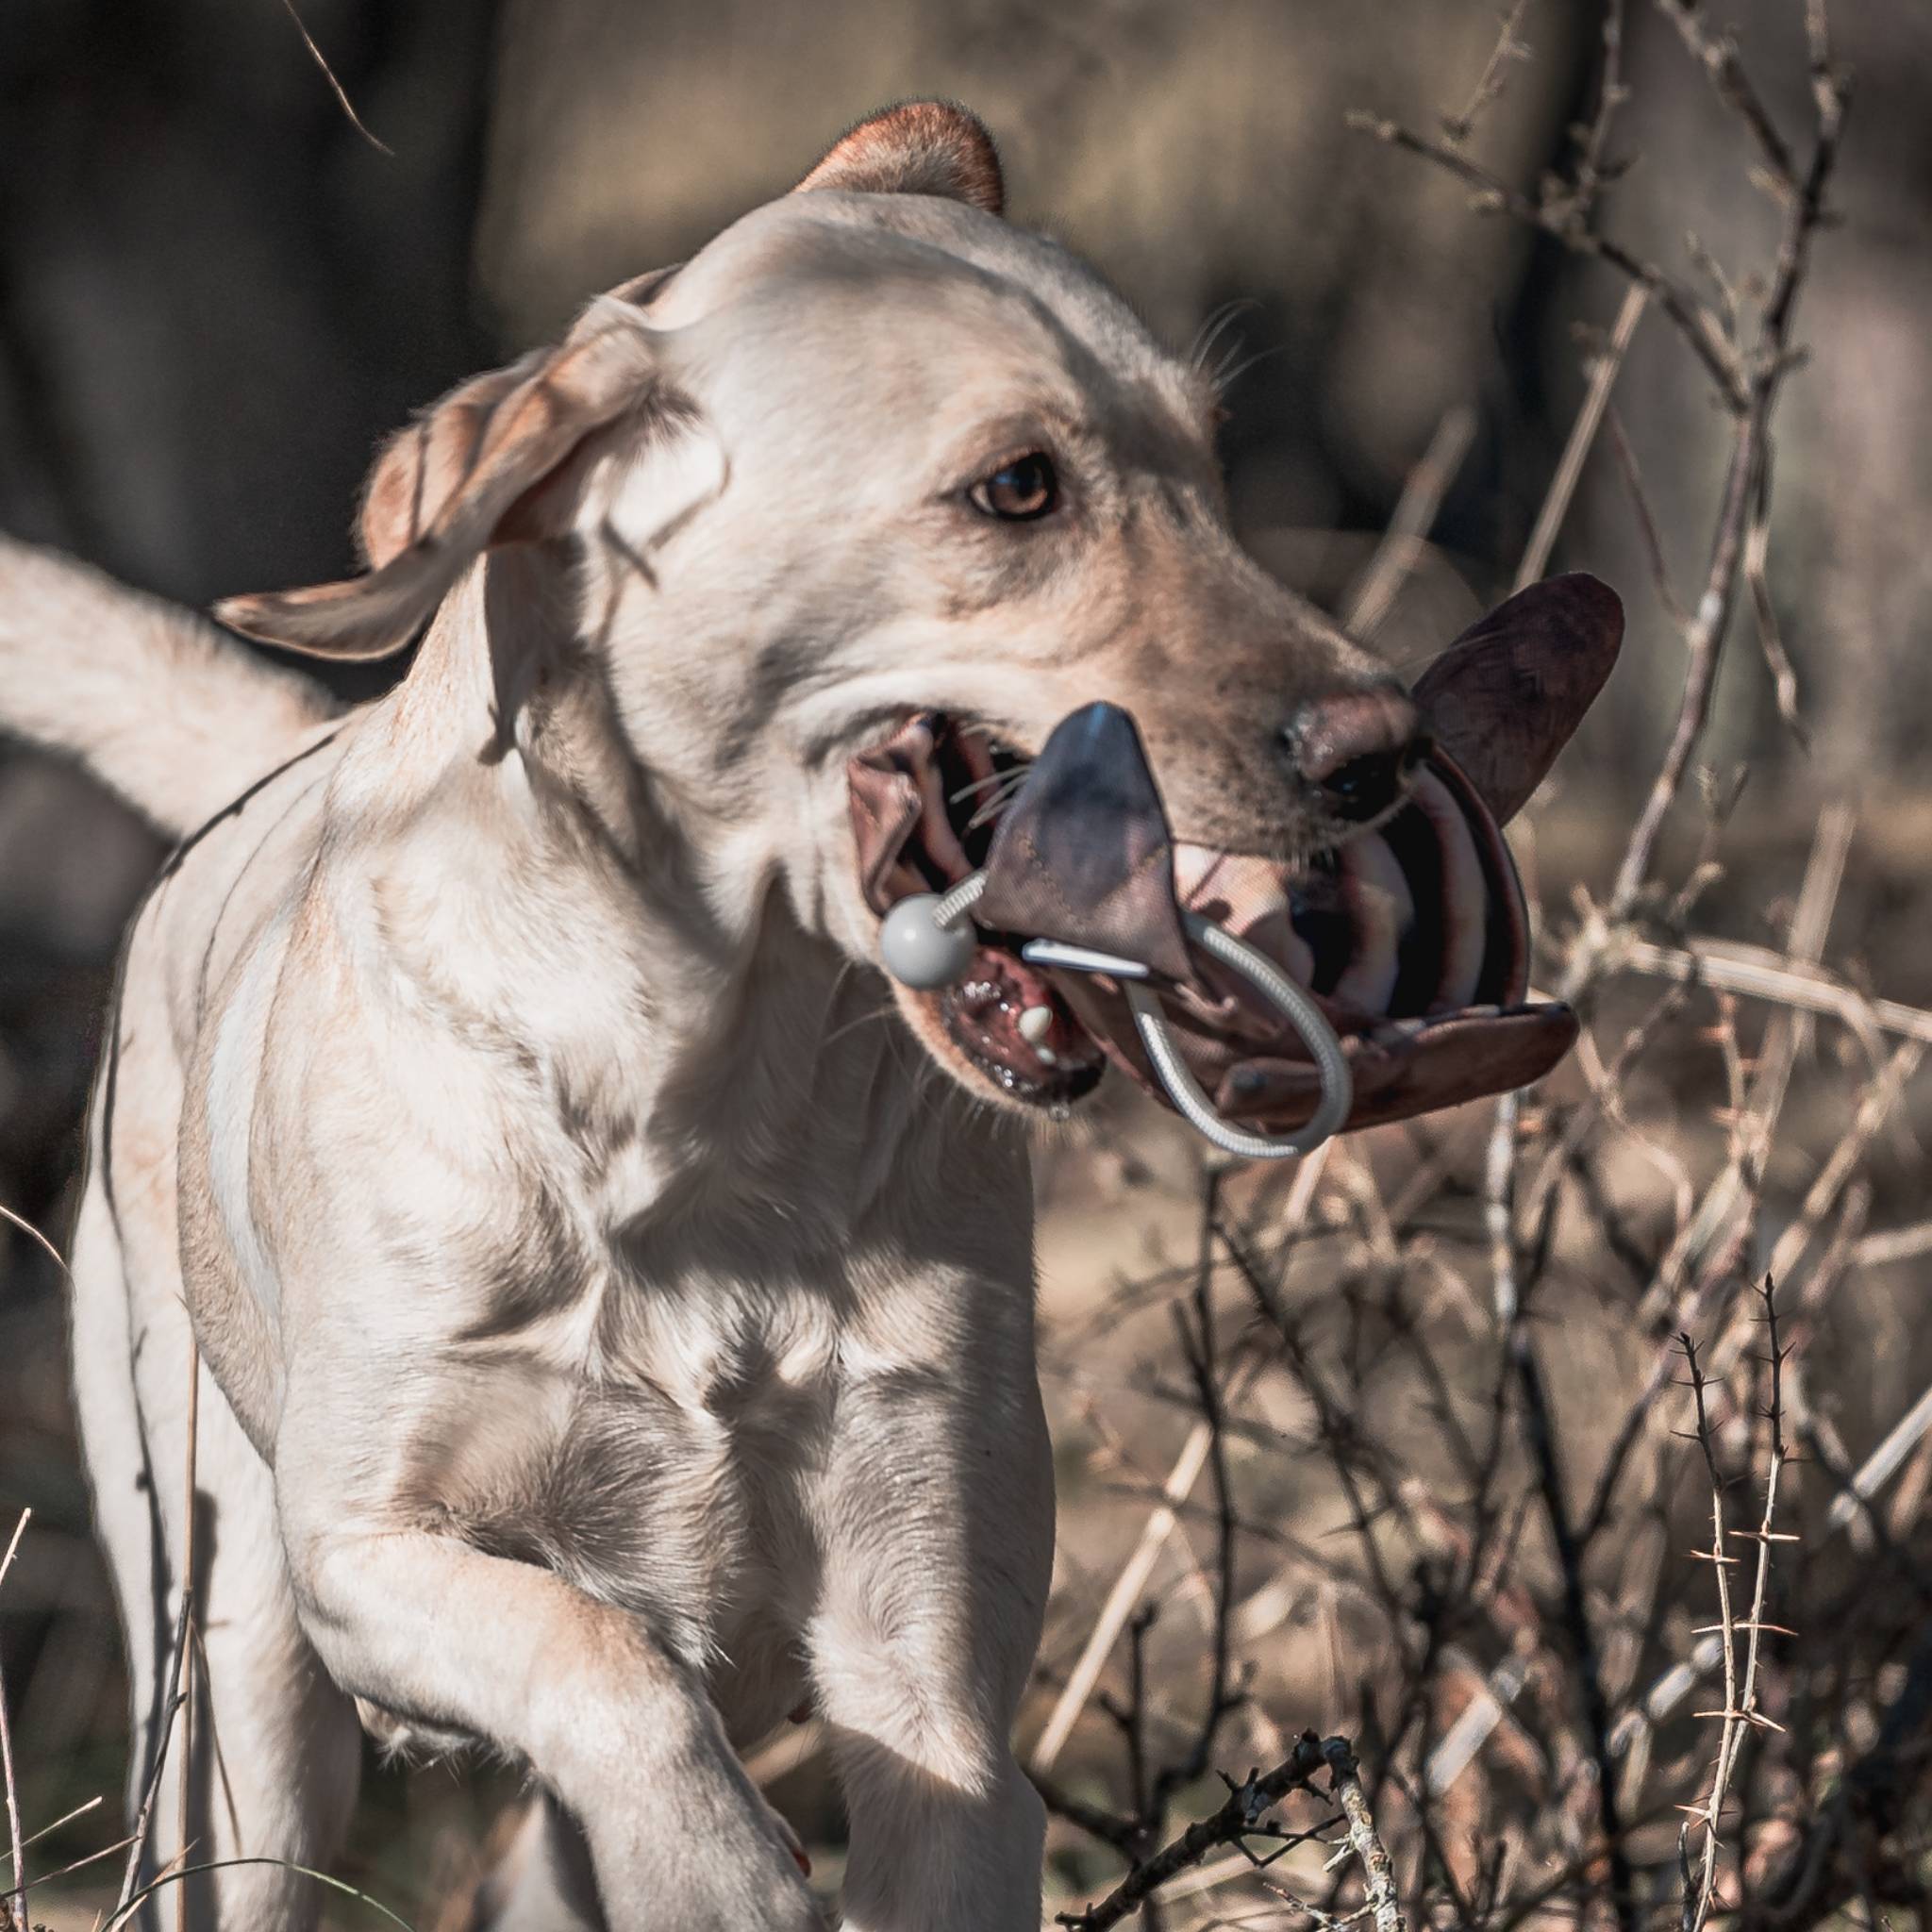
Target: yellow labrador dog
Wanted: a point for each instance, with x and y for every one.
(617, 1325)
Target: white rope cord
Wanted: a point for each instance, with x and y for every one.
(1297, 1005)
(1303, 1014)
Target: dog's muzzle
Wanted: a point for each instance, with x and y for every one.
(1409, 940)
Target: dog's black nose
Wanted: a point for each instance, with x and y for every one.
(1356, 748)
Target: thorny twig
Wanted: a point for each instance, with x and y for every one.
(1740, 1710)
(1378, 1871)
(1244, 1816)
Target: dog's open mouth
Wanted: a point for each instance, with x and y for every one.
(928, 802)
(1412, 934)
(1413, 927)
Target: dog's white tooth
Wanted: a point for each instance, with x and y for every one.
(1036, 1022)
(1046, 1056)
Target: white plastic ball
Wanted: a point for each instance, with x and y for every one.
(918, 952)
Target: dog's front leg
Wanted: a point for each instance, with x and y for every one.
(435, 1630)
(938, 1552)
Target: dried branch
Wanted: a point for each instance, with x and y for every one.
(1893, 1244)
(164, 1730)
(1586, 1659)
(1602, 375)
(34, 1235)
(1883, 1463)
(1703, 639)
(1593, 170)
(1198, 1347)
(1746, 490)
(33, 1838)
(1488, 87)
(16, 1837)
(1748, 382)
(1718, 56)
(1698, 1893)
(336, 88)
(1646, 521)
(1741, 1696)
(1853, 1502)
(1378, 1871)
(1401, 543)
(1159, 1525)
(1517, 1768)
(1784, 675)
(1491, 194)
(1762, 974)
(1244, 1816)
(1120, 1603)
(1877, 1104)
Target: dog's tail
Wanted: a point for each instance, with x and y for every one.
(162, 706)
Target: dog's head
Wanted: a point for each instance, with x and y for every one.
(866, 498)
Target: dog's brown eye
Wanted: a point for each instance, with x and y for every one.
(1020, 491)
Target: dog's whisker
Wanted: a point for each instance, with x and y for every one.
(883, 1012)
(1231, 371)
(978, 785)
(996, 804)
(999, 789)
(1217, 324)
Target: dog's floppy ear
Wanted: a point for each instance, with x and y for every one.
(918, 147)
(471, 473)
(419, 469)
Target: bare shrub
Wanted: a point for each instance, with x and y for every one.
(1451, 1383)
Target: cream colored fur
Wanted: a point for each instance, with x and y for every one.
(615, 1328)
(153, 699)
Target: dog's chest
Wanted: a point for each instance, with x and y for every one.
(670, 1467)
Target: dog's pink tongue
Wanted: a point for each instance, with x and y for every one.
(1504, 699)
